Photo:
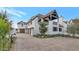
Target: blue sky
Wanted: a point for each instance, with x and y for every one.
(25, 13)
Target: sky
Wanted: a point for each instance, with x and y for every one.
(17, 14)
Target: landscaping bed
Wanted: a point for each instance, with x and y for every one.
(57, 35)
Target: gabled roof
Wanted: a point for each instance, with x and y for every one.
(21, 22)
(33, 17)
(65, 22)
(54, 12)
(44, 16)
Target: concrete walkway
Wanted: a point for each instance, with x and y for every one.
(25, 42)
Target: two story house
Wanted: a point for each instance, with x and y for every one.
(22, 27)
(55, 24)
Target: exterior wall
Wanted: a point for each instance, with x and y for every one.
(22, 27)
(64, 24)
(65, 28)
(50, 26)
(35, 26)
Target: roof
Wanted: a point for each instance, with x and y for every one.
(54, 12)
(21, 22)
(65, 22)
(33, 17)
(43, 16)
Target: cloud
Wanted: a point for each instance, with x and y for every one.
(16, 14)
(13, 12)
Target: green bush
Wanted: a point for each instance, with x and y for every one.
(5, 28)
(56, 35)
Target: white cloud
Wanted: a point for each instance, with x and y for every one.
(17, 11)
(13, 12)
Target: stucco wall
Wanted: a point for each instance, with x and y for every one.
(50, 26)
(36, 26)
(22, 27)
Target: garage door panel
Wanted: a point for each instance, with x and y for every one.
(22, 30)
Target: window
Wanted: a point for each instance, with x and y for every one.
(39, 20)
(54, 23)
(31, 23)
(22, 25)
(60, 29)
(54, 28)
(49, 17)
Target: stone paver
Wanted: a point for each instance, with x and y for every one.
(25, 42)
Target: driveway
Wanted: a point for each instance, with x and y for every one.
(25, 42)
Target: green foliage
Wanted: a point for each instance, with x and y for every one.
(74, 27)
(77, 29)
(56, 35)
(5, 28)
(43, 28)
(71, 29)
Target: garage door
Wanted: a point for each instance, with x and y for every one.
(22, 30)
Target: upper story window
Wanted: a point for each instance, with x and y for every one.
(54, 28)
(39, 20)
(54, 23)
(22, 25)
(30, 23)
(60, 29)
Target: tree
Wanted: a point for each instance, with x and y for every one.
(5, 28)
(76, 23)
(73, 28)
(43, 28)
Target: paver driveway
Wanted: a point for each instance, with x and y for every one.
(25, 42)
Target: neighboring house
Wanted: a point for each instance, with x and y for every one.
(22, 27)
(73, 22)
(55, 24)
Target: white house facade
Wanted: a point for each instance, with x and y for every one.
(55, 24)
(21, 27)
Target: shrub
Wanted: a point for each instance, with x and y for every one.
(5, 27)
(56, 35)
